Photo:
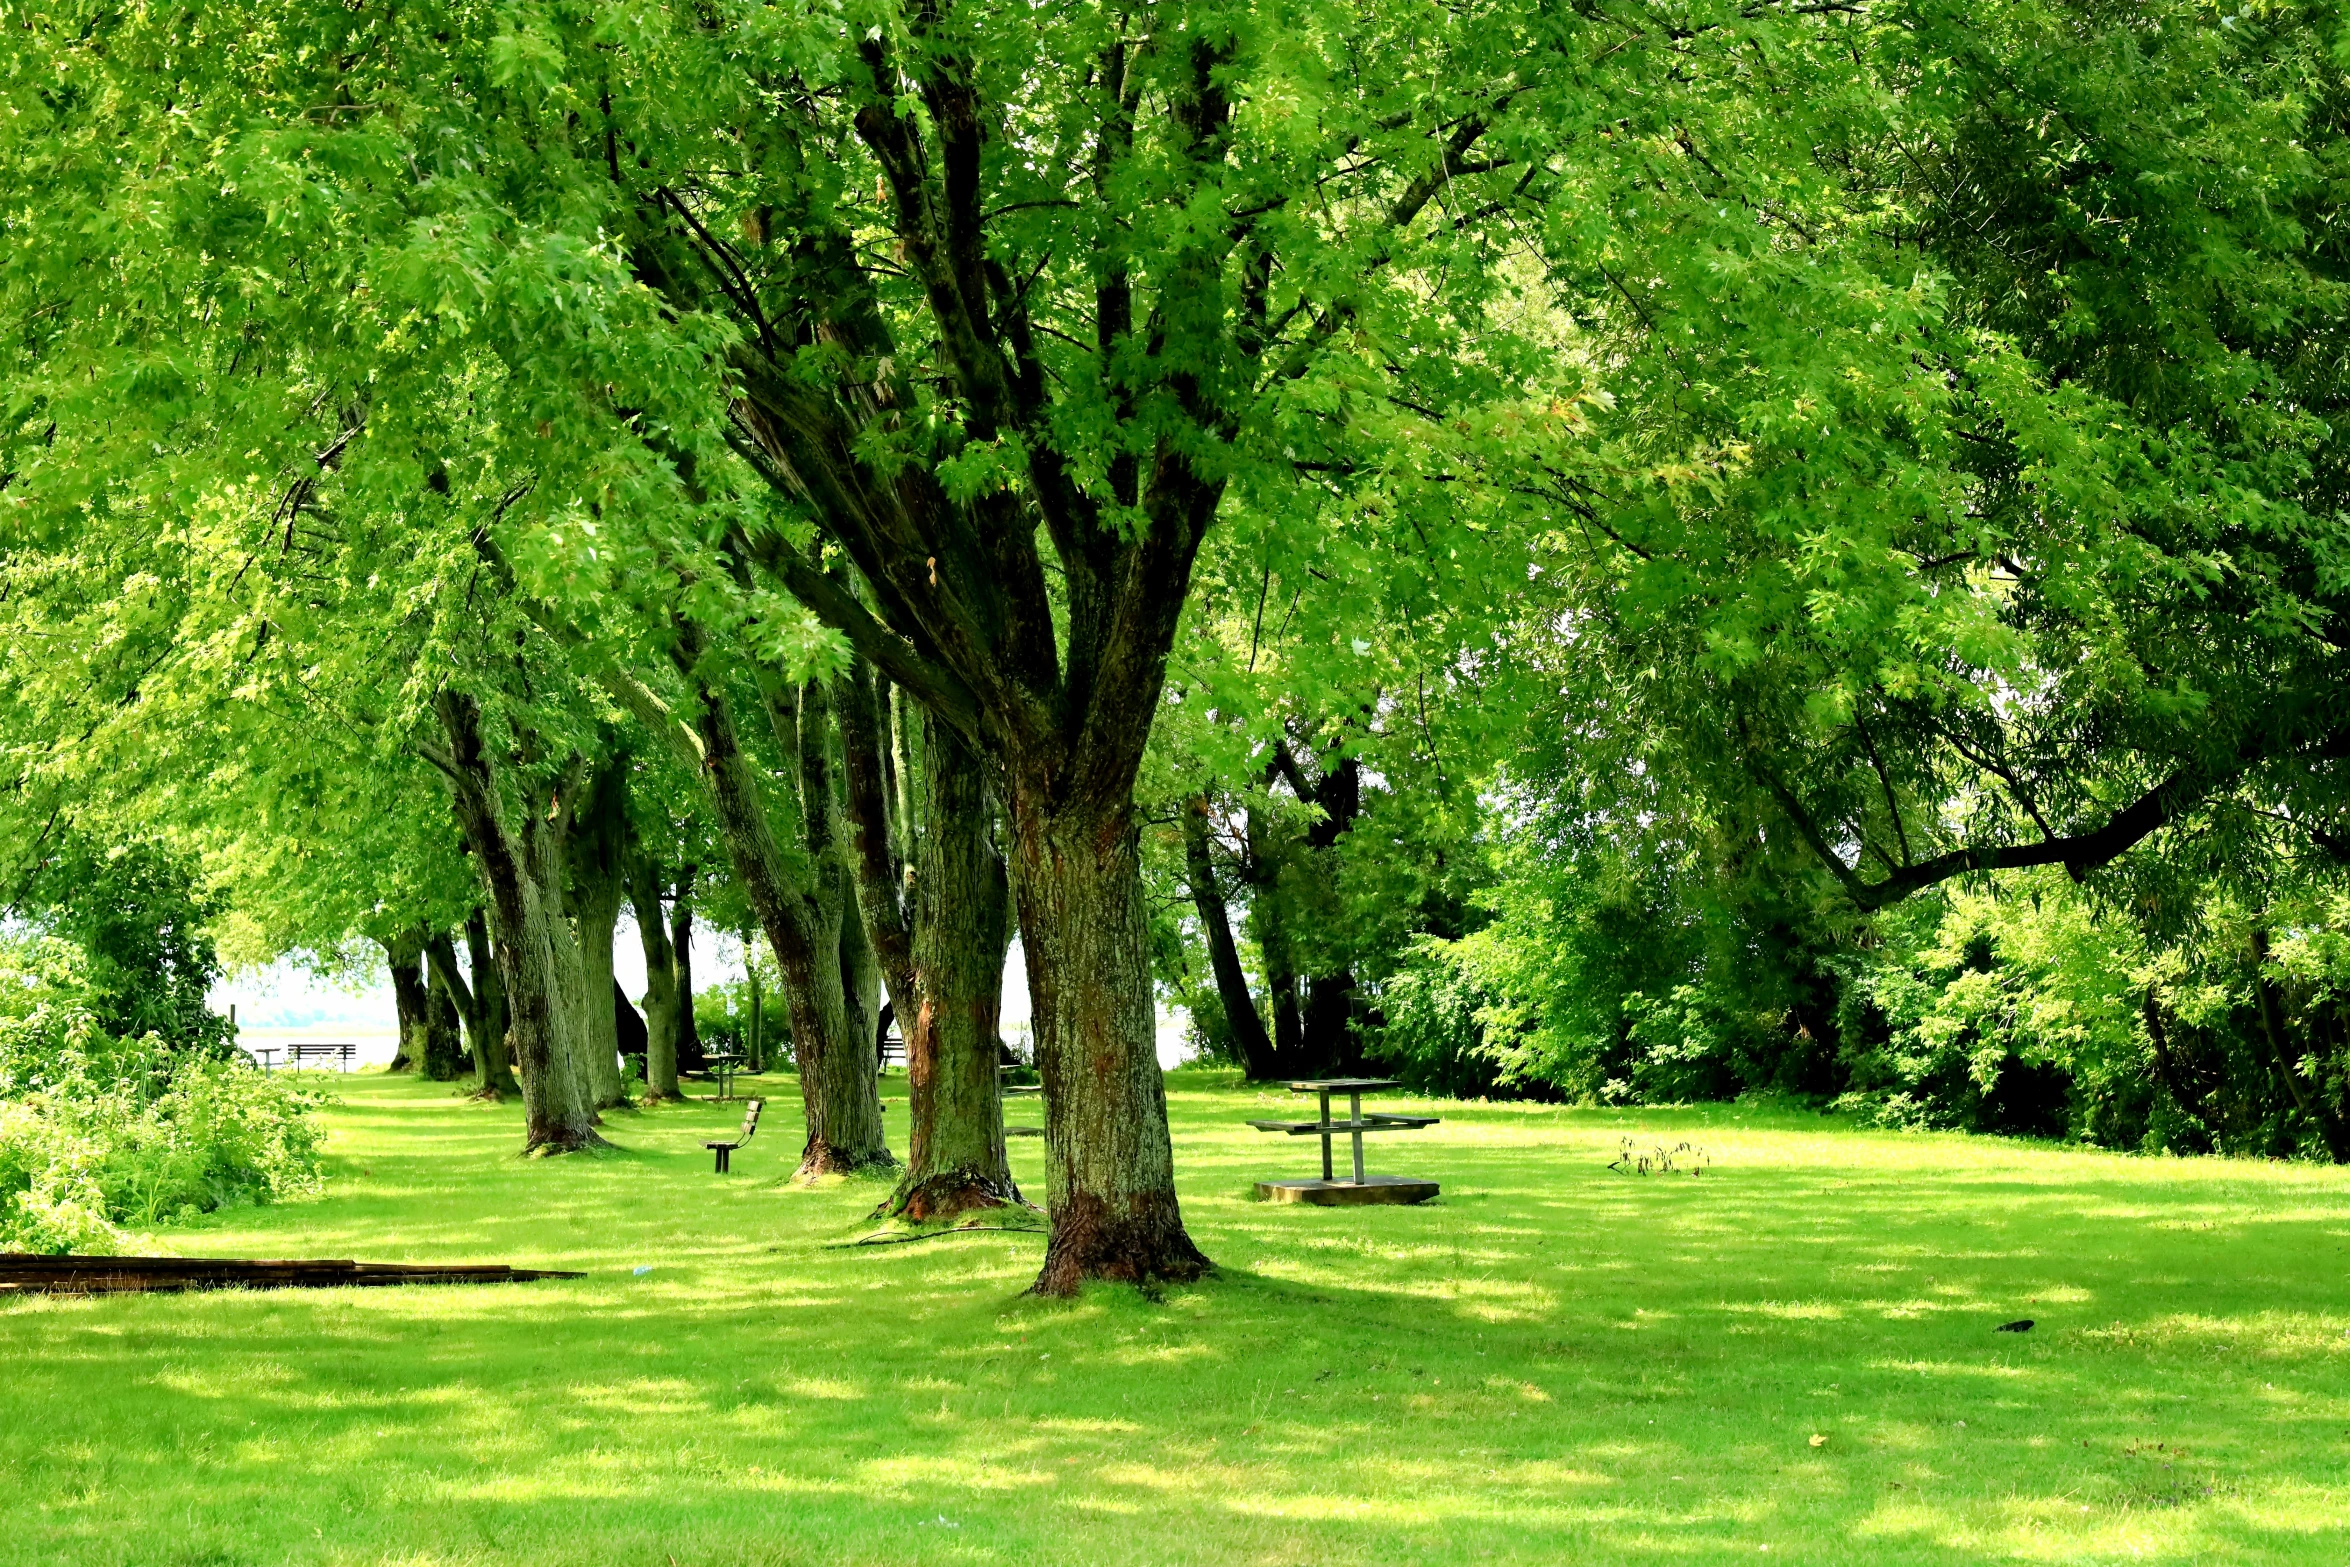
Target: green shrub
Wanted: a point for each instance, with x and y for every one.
(98, 1133)
(2014, 1012)
(1439, 1032)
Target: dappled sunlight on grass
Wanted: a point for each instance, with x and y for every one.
(1551, 1363)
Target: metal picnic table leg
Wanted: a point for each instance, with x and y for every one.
(1354, 1113)
(1325, 1135)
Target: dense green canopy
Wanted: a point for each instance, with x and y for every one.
(1668, 481)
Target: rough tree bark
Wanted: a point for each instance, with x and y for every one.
(860, 983)
(411, 999)
(1085, 931)
(660, 1004)
(942, 960)
(831, 1015)
(798, 887)
(444, 1033)
(962, 925)
(490, 990)
(755, 1039)
(597, 848)
(1268, 920)
(522, 874)
(1327, 1027)
(1207, 898)
(481, 1002)
(690, 1054)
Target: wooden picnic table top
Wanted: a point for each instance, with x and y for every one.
(1341, 1085)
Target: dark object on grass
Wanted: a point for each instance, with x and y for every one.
(22, 1273)
(725, 1151)
(2020, 1325)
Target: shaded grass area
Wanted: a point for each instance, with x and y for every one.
(1553, 1363)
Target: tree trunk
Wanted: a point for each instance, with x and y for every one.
(444, 1033)
(940, 960)
(1207, 898)
(411, 1000)
(1328, 1025)
(962, 924)
(497, 1018)
(755, 1042)
(660, 982)
(691, 1057)
(860, 981)
(481, 1003)
(598, 847)
(801, 909)
(537, 959)
(1086, 932)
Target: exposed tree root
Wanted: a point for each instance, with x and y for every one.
(820, 1159)
(948, 1193)
(1145, 1245)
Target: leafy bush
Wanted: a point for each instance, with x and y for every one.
(2014, 1013)
(1435, 1023)
(139, 920)
(97, 1132)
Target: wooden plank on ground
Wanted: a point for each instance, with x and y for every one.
(22, 1273)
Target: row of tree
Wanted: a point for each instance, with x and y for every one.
(898, 454)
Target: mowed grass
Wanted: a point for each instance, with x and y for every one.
(1552, 1363)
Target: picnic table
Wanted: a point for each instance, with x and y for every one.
(724, 1065)
(1329, 1191)
(262, 1056)
(321, 1050)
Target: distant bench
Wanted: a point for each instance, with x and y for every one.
(337, 1052)
(725, 1151)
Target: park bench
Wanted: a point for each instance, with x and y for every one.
(1363, 1188)
(341, 1053)
(725, 1151)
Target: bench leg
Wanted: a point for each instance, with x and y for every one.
(721, 1168)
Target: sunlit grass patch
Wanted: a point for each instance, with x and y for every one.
(1551, 1363)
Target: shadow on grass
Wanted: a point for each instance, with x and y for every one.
(1550, 1364)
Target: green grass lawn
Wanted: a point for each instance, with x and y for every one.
(1552, 1363)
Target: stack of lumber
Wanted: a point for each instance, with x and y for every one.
(22, 1273)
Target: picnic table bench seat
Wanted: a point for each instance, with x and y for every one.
(1375, 1121)
(725, 1150)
